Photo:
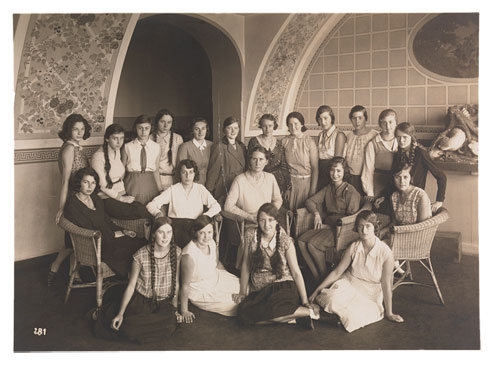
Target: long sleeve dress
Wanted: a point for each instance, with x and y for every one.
(115, 252)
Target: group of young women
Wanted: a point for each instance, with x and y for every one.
(182, 186)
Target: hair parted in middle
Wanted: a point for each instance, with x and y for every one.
(79, 175)
(189, 164)
(322, 109)
(299, 116)
(370, 217)
(268, 117)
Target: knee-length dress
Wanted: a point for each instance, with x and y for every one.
(211, 289)
(276, 164)
(270, 296)
(357, 297)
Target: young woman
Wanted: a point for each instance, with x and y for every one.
(270, 270)
(70, 159)
(186, 201)
(379, 154)
(228, 160)
(337, 199)
(204, 279)
(106, 161)
(411, 153)
(198, 149)
(331, 143)
(357, 140)
(141, 159)
(361, 281)
(147, 312)
(302, 158)
(276, 159)
(86, 210)
(248, 192)
(162, 133)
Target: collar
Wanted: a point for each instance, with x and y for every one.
(373, 251)
(394, 146)
(329, 132)
(202, 146)
(271, 244)
(74, 144)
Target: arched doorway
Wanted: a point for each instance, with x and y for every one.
(182, 63)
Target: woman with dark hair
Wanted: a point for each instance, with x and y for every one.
(197, 149)
(357, 139)
(302, 158)
(147, 311)
(106, 161)
(186, 201)
(70, 159)
(169, 141)
(86, 210)
(338, 199)
(141, 158)
(228, 160)
(361, 282)
(276, 159)
(204, 279)
(272, 289)
(331, 143)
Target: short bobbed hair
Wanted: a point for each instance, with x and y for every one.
(142, 119)
(299, 116)
(358, 108)
(230, 120)
(400, 167)
(79, 175)
(322, 109)
(370, 217)
(268, 117)
(199, 223)
(338, 161)
(159, 222)
(189, 164)
(66, 133)
(386, 112)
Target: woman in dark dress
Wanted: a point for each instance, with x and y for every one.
(86, 210)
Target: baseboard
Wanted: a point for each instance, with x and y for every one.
(22, 264)
(470, 249)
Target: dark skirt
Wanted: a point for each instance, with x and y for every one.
(182, 230)
(323, 173)
(117, 209)
(143, 320)
(278, 299)
(355, 180)
(117, 253)
(142, 186)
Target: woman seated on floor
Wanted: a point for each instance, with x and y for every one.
(337, 199)
(86, 210)
(356, 288)
(248, 192)
(270, 270)
(186, 201)
(204, 280)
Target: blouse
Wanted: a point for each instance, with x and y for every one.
(407, 212)
(369, 267)
(355, 150)
(165, 167)
(116, 173)
(163, 274)
(133, 150)
(183, 205)
(327, 143)
(297, 151)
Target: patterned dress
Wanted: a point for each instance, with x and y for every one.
(407, 212)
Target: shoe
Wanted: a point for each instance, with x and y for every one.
(305, 322)
(330, 318)
(51, 278)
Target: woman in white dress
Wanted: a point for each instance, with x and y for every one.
(362, 281)
(204, 280)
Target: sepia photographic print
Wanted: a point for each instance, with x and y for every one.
(219, 180)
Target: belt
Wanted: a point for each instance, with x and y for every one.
(116, 182)
(165, 174)
(301, 176)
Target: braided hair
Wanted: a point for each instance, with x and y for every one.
(257, 261)
(159, 222)
(402, 156)
(155, 128)
(112, 129)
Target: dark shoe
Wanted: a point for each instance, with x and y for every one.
(330, 318)
(51, 278)
(305, 322)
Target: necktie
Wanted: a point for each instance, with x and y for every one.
(143, 158)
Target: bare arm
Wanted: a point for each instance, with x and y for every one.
(67, 161)
(334, 274)
(174, 301)
(386, 282)
(245, 275)
(127, 295)
(340, 144)
(187, 267)
(296, 272)
(424, 208)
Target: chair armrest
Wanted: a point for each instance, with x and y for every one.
(350, 219)
(439, 218)
(218, 218)
(232, 216)
(68, 226)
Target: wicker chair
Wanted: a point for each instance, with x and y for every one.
(413, 243)
(344, 234)
(240, 223)
(87, 251)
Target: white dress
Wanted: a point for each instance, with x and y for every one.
(357, 297)
(211, 289)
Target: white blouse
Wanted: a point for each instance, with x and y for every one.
(116, 173)
(132, 150)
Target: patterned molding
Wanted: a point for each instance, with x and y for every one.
(38, 155)
(281, 65)
(66, 67)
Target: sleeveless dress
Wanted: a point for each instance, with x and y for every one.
(407, 212)
(211, 289)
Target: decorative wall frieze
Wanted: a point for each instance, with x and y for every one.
(39, 155)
